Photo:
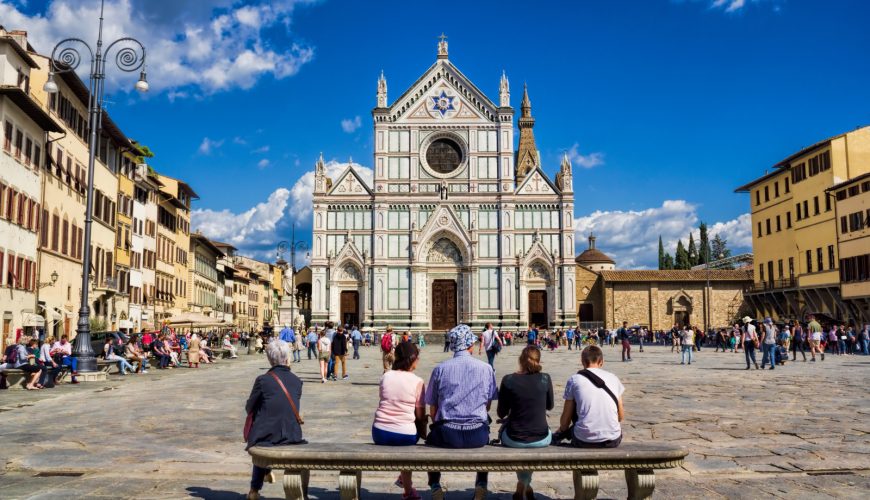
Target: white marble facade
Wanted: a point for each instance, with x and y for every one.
(450, 231)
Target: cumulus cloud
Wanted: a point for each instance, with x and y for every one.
(301, 194)
(263, 163)
(207, 146)
(350, 125)
(204, 45)
(252, 230)
(631, 237)
(586, 161)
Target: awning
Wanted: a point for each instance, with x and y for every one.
(33, 320)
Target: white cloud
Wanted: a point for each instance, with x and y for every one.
(207, 146)
(255, 227)
(631, 237)
(302, 192)
(263, 163)
(733, 6)
(350, 125)
(205, 46)
(585, 161)
(261, 150)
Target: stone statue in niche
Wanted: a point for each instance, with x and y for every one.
(444, 252)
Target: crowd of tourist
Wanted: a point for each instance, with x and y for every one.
(452, 409)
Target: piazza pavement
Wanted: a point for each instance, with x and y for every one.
(800, 431)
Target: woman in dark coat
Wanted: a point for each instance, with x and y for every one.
(275, 421)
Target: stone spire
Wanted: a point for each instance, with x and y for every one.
(382, 91)
(564, 179)
(504, 92)
(442, 46)
(322, 183)
(528, 158)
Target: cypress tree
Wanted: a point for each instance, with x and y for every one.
(668, 262)
(682, 258)
(705, 252)
(661, 254)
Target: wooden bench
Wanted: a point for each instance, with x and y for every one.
(638, 460)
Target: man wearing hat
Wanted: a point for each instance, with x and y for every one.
(748, 339)
(459, 395)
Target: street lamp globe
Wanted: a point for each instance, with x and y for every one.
(50, 85)
(142, 85)
(54, 277)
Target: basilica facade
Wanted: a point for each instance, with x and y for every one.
(458, 226)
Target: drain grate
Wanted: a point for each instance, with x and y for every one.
(59, 474)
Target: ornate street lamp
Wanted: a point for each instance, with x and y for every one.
(293, 245)
(65, 57)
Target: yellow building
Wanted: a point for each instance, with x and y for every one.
(795, 228)
(178, 194)
(124, 243)
(853, 245)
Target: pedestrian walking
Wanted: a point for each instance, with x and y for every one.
(797, 341)
(491, 343)
(356, 340)
(768, 341)
(687, 340)
(623, 334)
(816, 337)
(749, 340)
(569, 336)
(446, 340)
(339, 354)
(311, 341)
(388, 344)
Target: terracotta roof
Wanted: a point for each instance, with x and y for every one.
(593, 256)
(677, 275)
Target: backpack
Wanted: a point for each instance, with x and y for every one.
(12, 355)
(387, 342)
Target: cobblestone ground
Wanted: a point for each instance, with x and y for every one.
(800, 430)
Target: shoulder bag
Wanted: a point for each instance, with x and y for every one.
(249, 420)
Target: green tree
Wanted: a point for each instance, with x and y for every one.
(693, 251)
(145, 150)
(704, 250)
(661, 254)
(718, 247)
(667, 261)
(682, 258)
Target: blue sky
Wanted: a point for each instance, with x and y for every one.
(670, 105)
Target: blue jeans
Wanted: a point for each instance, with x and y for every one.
(442, 436)
(768, 353)
(841, 344)
(330, 367)
(490, 357)
(312, 350)
(123, 365)
(356, 349)
(297, 355)
(525, 476)
(686, 352)
(72, 363)
(387, 438)
(865, 347)
(257, 477)
(749, 352)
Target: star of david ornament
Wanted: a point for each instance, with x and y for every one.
(443, 103)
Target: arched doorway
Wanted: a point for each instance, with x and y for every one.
(444, 258)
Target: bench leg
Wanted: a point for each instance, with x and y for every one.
(349, 484)
(641, 483)
(296, 484)
(585, 484)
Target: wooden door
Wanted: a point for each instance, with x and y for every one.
(443, 304)
(587, 312)
(349, 308)
(538, 308)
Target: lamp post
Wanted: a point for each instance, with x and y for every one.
(293, 245)
(709, 292)
(65, 57)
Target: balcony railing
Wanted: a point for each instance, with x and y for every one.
(773, 285)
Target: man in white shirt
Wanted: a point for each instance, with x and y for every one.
(594, 396)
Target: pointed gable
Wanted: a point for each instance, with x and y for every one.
(537, 183)
(350, 183)
(443, 93)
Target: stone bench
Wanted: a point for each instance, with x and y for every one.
(15, 378)
(638, 460)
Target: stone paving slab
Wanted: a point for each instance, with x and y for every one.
(177, 434)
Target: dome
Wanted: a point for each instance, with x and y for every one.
(595, 259)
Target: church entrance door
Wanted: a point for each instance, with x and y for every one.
(538, 308)
(681, 318)
(443, 304)
(350, 308)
